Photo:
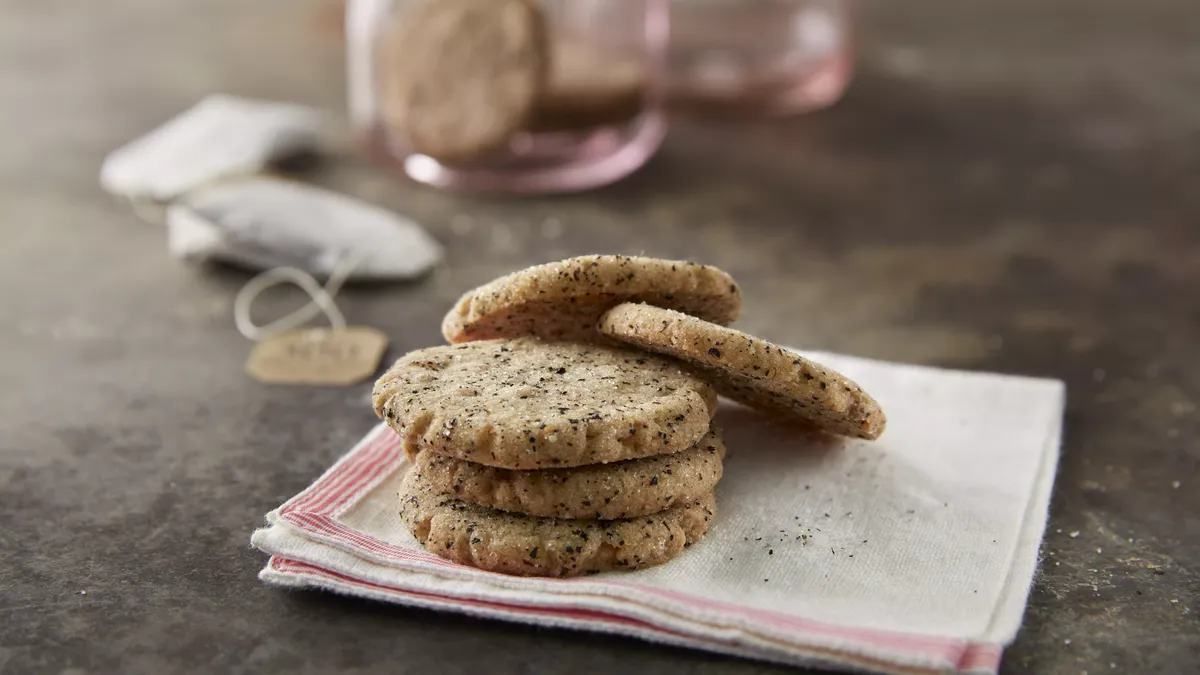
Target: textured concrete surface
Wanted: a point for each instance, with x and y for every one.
(1008, 186)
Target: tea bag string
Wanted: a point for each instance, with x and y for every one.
(320, 299)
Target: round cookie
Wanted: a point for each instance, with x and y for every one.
(628, 489)
(557, 547)
(586, 88)
(750, 370)
(565, 299)
(528, 404)
(464, 74)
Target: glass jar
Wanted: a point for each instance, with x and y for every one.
(772, 56)
(575, 102)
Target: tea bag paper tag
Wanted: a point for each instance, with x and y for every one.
(218, 137)
(283, 353)
(318, 356)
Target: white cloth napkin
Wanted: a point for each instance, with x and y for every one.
(910, 554)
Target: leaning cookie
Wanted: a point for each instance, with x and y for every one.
(563, 300)
(760, 374)
(635, 487)
(534, 546)
(528, 404)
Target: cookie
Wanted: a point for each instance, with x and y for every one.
(563, 300)
(587, 89)
(558, 547)
(528, 404)
(635, 487)
(750, 370)
(465, 76)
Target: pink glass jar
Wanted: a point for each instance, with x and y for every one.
(771, 56)
(597, 117)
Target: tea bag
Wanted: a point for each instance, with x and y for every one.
(220, 136)
(261, 222)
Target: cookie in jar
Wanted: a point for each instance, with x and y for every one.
(520, 96)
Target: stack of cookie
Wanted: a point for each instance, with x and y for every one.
(567, 428)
